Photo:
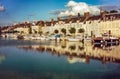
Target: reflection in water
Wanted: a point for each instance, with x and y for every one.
(76, 60)
(2, 58)
(63, 60)
(79, 52)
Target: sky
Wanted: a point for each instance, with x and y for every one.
(15, 11)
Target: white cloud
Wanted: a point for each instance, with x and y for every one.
(2, 8)
(73, 8)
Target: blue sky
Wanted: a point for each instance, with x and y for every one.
(23, 10)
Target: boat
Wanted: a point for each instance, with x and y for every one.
(106, 40)
(73, 39)
(111, 40)
(98, 40)
(38, 37)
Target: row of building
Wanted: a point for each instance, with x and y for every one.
(93, 25)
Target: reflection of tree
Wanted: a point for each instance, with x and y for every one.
(87, 59)
(63, 44)
(26, 48)
(2, 57)
(54, 51)
(103, 60)
(40, 32)
(30, 47)
(35, 31)
(81, 48)
(47, 33)
(58, 54)
(41, 49)
(48, 49)
(70, 57)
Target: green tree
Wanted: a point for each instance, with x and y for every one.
(63, 30)
(73, 47)
(56, 31)
(40, 32)
(81, 31)
(72, 31)
(47, 33)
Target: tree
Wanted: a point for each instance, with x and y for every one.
(56, 31)
(35, 31)
(40, 32)
(81, 30)
(72, 31)
(113, 11)
(63, 30)
(47, 33)
(73, 47)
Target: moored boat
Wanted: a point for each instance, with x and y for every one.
(98, 40)
(73, 39)
(109, 40)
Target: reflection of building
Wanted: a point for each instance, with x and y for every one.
(78, 50)
(2, 57)
(76, 60)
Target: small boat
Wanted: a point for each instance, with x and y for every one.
(104, 40)
(73, 39)
(111, 40)
(98, 40)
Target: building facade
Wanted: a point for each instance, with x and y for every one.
(93, 25)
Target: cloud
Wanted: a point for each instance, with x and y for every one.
(56, 12)
(73, 8)
(2, 8)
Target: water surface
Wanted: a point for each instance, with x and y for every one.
(21, 59)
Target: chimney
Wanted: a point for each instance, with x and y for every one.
(70, 18)
(86, 15)
(103, 14)
(52, 21)
(78, 16)
(25, 24)
(34, 22)
(58, 19)
(41, 23)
